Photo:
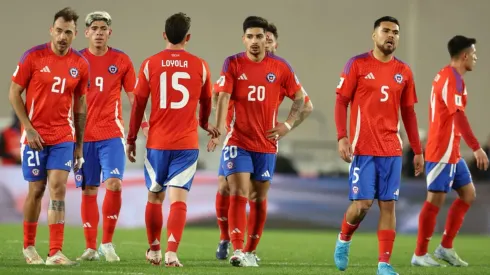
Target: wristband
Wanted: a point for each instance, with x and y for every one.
(144, 125)
(287, 126)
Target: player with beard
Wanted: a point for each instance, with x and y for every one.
(378, 86)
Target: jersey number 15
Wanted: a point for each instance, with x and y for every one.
(176, 86)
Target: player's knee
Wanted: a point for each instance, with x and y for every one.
(114, 184)
(156, 198)
(90, 190)
(36, 190)
(223, 187)
(467, 193)
(387, 207)
(363, 206)
(57, 190)
(177, 194)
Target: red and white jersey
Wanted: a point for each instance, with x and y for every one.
(448, 96)
(108, 74)
(255, 88)
(177, 81)
(51, 82)
(376, 90)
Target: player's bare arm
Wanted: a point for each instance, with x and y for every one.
(215, 100)
(80, 117)
(137, 114)
(221, 110)
(410, 121)
(33, 138)
(304, 114)
(296, 108)
(345, 148)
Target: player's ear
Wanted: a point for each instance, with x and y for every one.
(86, 32)
(277, 45)
(165, 36)
(110, 31)
(187, 37)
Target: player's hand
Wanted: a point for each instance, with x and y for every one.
(345, 150)
(481, 159)
(145, 131)
(34, 139)
(278, 132)
(78, 157)
(213, 131)
(213, 142)
(418, 163)
(131, 152)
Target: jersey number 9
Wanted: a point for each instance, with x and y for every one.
(176, 86)
(99, 82)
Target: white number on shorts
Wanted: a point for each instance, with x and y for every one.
(355, 174)
(230, 152)
(384, 91)
(176, 86)
(256, 93)
(99, 82)
(58, 85)
(33, 158)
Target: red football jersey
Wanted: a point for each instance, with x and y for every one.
(376, 90)
(109, 74)
(51, 81)
(177, 81)
(448, 95)
(255, 88)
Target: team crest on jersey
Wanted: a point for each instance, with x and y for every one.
(271, 77)
(74, 72)
(113, 69)
(398, 78)
(229, 165)
(78, 177)
(35, 172)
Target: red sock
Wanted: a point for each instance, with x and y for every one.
(256, 223)
(175, 225)
(154, 224)
(237, 215)
(30, 229)
(222, 205)
(427, 224)
(454, 221)
(56, 233)
(386, 239)
(347, 230)
(90, 220)
(110, 212)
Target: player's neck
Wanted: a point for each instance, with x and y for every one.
(173, 47)
(53, 48)
(98, 51)
(256, 58)
(381, 56)
(460, 68)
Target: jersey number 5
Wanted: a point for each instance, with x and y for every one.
(175, 85)
(384, 91)
(58, 85)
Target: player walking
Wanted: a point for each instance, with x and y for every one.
(176, 81)
(255, 80)
(104, 147)
(445, 168)
(54, 75)
(378, 86)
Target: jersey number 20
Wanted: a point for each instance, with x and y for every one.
(175, 85)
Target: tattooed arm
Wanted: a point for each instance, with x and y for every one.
(296, 108)
(80, 116)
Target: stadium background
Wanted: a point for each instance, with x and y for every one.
(317, 37)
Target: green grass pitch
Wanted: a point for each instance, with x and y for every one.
(282, 252)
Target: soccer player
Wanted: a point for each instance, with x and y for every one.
(176, 81)
(445, 168)
(254, 79)
(378, 86)
(222, 196)
(104, 147)
(54, 75)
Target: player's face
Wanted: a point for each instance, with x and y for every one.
(62, 34)
(271, 43)
(470, 58)
(98, 34)
(254, 40)
(386, 37)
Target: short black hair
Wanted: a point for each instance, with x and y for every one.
(255, 22)
(176, 27)
(68, 14)
(273, 29)
(459, 43)
(391, 19)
